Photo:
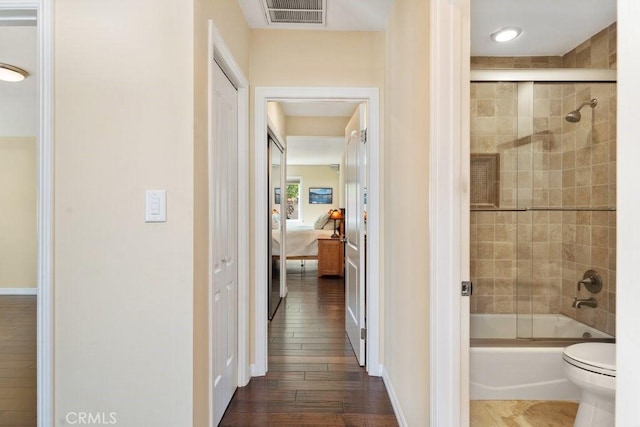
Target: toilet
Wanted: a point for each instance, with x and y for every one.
(592, 367)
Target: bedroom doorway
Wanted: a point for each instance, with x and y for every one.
(27, 143)
(316, 196)
(24, 283)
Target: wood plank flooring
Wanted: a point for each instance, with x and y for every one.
(18, 361)
(314, 378)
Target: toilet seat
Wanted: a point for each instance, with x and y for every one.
(599, 358)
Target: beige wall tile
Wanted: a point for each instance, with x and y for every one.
(566, 164)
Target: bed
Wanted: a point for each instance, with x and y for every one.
(302, 241)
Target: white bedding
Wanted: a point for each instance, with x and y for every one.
(302, 240)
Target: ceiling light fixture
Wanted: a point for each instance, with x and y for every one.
(506, 34)
(10, 73)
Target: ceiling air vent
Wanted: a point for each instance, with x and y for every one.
(295, 11)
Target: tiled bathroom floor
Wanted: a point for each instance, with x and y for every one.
(522, 413)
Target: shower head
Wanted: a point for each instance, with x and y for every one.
(575, 116)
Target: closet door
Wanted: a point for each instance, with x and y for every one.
(223, 242)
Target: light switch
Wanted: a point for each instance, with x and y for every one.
(156, 206)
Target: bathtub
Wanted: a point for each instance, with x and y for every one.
(503, 368)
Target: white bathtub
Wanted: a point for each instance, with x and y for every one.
(524, 326)
(522, 373)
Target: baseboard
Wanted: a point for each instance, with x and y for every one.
(402, 421)
(18, 291)
(376, 371)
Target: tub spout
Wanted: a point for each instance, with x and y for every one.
(589, 302)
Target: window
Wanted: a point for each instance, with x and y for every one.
(294, 185)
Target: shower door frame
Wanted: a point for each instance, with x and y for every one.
(558, 75)
(533, 76)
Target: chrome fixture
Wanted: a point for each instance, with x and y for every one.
(575, 116)
(589, 302)
(591, 281)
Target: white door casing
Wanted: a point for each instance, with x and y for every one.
(370, 96)
(223, 242)
(45, 302)
(355, 236)
(449, 212)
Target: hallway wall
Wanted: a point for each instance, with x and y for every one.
(406, 243)
(628, 232)
(229, 21)
(123, 289)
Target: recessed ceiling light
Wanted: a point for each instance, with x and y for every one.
(505, 34)
(9, 73)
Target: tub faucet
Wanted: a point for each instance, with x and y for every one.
(589, 302)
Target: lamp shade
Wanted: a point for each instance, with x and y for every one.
(335, 214)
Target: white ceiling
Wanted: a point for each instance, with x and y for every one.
(319, 108)
(319, 150)
(18, 101)
(314, 150)
(549, 27)
(342, 15)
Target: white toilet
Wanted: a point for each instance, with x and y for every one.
(592, 367)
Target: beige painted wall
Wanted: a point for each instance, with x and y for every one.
(123, 288)
(316, 126)
(278, 120)
(406, 239)
(18, 237)
(121, 130)
(285, 58)
(315, 176)
(340, 59)
(229, 20)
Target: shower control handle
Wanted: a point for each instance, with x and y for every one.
(591, 281)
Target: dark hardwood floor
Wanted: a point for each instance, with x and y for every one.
(17, 361)
(314, 378)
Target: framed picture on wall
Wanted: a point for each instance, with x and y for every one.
(276, 198)
(320, 195)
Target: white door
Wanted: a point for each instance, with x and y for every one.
(354, 230)
(223, 242)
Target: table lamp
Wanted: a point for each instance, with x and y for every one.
(335, 215)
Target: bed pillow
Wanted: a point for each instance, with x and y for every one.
(321, 222)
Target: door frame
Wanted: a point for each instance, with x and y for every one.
(449, 211)
(219, 52)
(45, 308)
(285, 94)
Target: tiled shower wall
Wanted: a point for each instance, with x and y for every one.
(589, 238)
(532, 260)
(494, 234)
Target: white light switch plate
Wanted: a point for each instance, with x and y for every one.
(156, 206)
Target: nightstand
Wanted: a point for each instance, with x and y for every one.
(330, 257)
